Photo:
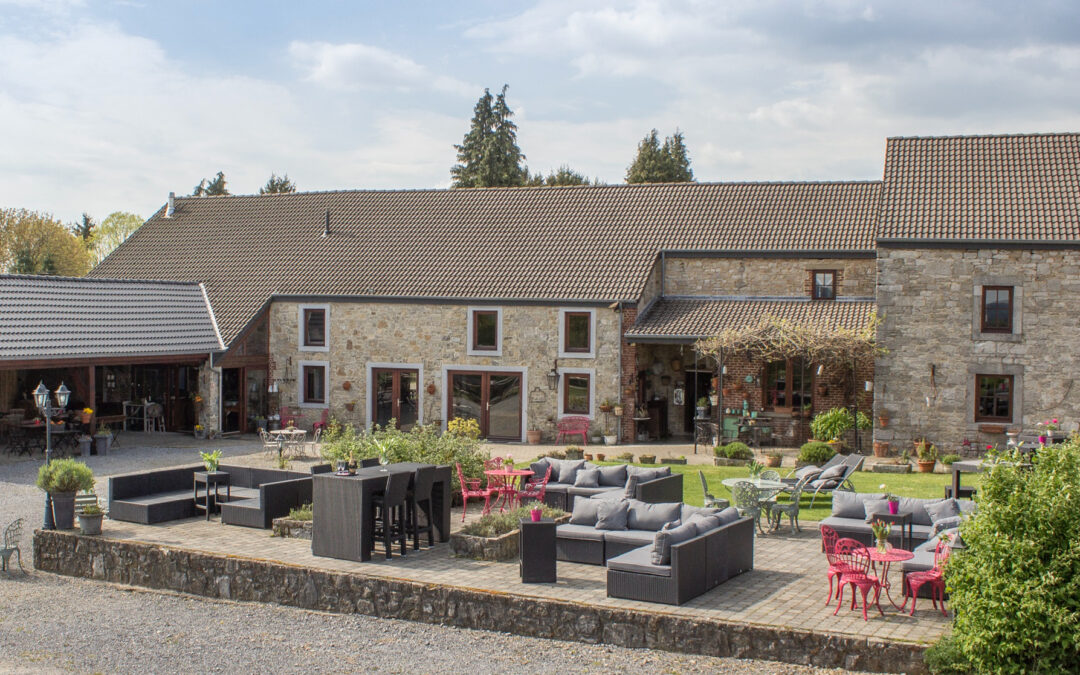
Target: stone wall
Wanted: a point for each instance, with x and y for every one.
(434, 337)
(764, 276)
(252, 580)
(209, 415)
(928, 301)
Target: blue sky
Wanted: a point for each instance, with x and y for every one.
(109, 105)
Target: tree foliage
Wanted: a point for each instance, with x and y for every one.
(1015, 589)
(564, 175)
(112, 232)
(212, 188)
(277, 185)
(656, 163)
(84, 229)
(36, 243)
(489, 155)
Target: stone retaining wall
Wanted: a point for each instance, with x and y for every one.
(252, 580)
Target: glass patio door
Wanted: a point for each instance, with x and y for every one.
(492, 399)
(396, 397)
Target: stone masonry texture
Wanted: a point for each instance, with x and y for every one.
(765, 276)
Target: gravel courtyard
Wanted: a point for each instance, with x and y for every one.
(57, 624)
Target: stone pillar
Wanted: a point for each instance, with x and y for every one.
(629, 368)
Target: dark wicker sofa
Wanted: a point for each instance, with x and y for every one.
(275, 494)
(163, 495)
(849, 517)
(655, 485)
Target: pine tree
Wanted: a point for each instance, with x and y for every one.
(656, 163)
(489, 155)
(213, 188)
(84, 229)
(277, 185)
(564, 175)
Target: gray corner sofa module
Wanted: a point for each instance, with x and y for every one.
(697, 564)
(849, 516)
(163, 495)
(565, 485)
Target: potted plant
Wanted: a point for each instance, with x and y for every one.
(647, 459)
(894, 501)
(600, 456)
(881, 531)
(62, 478)
(574, 452)
(681, 459)
(85, 415)
(883, 419)
(927, 457)
(350, 406)
(211, 460)
(533, 436)
(626, 457)
(103, 439)
(881, 448)
(86, 441)
(536, 513)
(588, 457)
(703, 407)
(607, 406)
(90, 519)
(830, 425)
(200, 431)
(755, 468)
(773, 459)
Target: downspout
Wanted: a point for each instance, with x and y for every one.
(663, 273)
(618, 396)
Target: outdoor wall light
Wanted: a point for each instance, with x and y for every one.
(820, 368)
(553, 376)
(868, 385)
(41, 398)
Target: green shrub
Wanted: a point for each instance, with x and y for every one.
(947, 460)
(945, 658)
(302, 513)
(496, 524)
(832, 424)
(737, 450)
(1015, 587)
(65, 475)
(816, 452)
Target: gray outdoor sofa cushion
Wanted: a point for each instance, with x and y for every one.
(587, 478)
(628, 537)
(652, 517)
(587, 492)
(613, 476)
(586, 512)
(585, 532)
(611, 515)
(639, 561)
(668, 536)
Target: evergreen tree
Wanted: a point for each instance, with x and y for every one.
(564, 175)
(213, 188)
(277, 185)
(489, 155)
(656, 163)
(84, 229)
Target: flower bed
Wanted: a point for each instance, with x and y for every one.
(495, 536)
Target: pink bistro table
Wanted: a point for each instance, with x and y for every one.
(508, 491)
(887, 558)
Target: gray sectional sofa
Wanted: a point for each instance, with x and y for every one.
(257, 495)
(849, 516)
(662, 552)
(567, 483)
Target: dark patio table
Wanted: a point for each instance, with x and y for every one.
(343, 521)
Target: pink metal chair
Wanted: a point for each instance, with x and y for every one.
(575, 425)
(913, 581)
(856, 560)
(535, 488)
(321, 424)
(470, 488)
(828, 545)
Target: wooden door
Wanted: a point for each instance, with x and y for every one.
(395, 396)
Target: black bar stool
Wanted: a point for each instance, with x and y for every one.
(421, 495)
(390, 509)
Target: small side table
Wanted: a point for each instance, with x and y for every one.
(210, 479)
(536, 551)
(903, 519)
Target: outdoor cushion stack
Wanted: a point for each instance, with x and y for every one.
(663, 552)
(852, 513)
(572, 478)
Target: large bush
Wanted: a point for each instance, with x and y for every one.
(423, 444)
(831, 424)
(738, 450)
(65, 475)
(816, 452)
(1015, 590)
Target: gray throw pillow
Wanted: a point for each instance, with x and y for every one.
(587, 478)
(540, 467)
(832, 473)
(875, 507)
(668, 537)
(586, 512)
(646, 475)
(704, 523)
(631, 487)
(611, 515)
(613, 476)
(568, 470)
(946, 508)
(652, 517)
(917, 507)
(728, 516)
(811, 471)
(850, 504)
(687, 511)
(943, 524)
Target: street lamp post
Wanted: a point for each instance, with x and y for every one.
(41, 398)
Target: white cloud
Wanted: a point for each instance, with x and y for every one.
(355, 66)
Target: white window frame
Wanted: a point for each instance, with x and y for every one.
(563, 354)
(371, 366)
(300, 328)
(591, 372)
(498, 332)
(326, 383)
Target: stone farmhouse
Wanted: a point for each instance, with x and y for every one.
(521, 306)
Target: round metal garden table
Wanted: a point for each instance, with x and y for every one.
(886, 558)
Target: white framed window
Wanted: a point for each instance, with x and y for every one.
(484, 332)
(314, 384)
(313, 323)
(577, 333)
(577, 392)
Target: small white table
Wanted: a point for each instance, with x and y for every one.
(290, 438)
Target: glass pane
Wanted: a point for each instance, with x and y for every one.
(577, 394)
(384, 397)
(315, 327)
(465, 393)
(776, 384)
(577, 332)
(801, 379)
(995, 396)
(314, 384)
(486, 335)
(997, 309)
(408, 399)
(823, 285)
(504, 410)
(256, 397)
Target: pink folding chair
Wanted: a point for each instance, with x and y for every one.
(828, 545)
(913, 581)
(535, 489)
(471, 488)
(856, 560)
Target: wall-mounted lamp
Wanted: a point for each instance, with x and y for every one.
(723, 370)
(820, 368)
(868, 385)
(553, 376)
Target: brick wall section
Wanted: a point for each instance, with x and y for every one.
(628, 369)
(765, 276)
(251, 580)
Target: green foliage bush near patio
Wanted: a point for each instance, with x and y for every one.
(65, 475)
(423, 444)
(495, 524)
(816, 452)
(735, 450)
(302, 513)
(1015, 590)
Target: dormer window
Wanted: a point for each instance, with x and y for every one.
(824, 284)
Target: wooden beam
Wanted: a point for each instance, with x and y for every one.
(28, 364)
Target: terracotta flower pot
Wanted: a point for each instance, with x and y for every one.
(773, 460)
(927, 466)
(883, 421)
(533, 436)
(881, 449)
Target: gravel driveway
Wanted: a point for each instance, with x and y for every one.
(57, 624)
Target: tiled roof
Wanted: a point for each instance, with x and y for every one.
(590, 244)
(1023, 188)
(60, 317)
(691, 318)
